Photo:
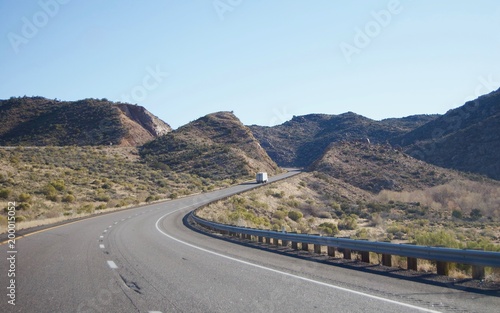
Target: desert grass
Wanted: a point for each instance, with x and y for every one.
(50, 184)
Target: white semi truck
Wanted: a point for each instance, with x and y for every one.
(261, 177)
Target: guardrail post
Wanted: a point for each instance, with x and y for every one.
(412, 264)
(284, 243)
(305, 246)
(268, 240)
(276, 241)
(387, 260)
(260, 239)
(443, 268)
(365, 256)
(347, 254)
(331, 251)
(478, 272)
(317, 249)
(295, 245)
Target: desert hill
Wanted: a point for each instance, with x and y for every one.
(216, 146)
(37, 121)
(466, 138)
(303, 139)
(374, 168)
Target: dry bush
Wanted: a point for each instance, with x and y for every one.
(461, 195)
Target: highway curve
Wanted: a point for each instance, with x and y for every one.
(147, 260)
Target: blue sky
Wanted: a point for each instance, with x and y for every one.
(264, 60)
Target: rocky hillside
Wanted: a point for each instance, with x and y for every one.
(216, 146)
(374, 168)
(37, 121)
(466, 138)
(302, 140)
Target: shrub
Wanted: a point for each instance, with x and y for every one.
(102, 197)
(457, 214)
(378, 207)
(23, 206)
(295, 215)
(5, 193)
(328, 228)
(362, 234)
(50, 192)
(279, 195)
(377, 219)
(335, 206)
(279, 215)
(87, 208)
(173, 195)
(58, 184)
(24, 197)
(475, 214)
(440, 237)
(101, 207)
(348, 222)
(69, 198)
(20, 219)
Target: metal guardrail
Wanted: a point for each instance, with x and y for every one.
(464, 256)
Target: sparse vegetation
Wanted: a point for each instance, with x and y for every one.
(217, 147)
(460, 213)
(295, 215)
(70, 181)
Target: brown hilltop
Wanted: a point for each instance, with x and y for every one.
(37, 121)
(216, 146)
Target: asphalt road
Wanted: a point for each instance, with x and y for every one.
(147, 260)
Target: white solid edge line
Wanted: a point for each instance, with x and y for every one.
(112, 264)
(288, 274)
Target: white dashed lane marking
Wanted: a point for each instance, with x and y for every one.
(101, 246)
(112, 265)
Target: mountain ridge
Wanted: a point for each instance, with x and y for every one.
(216, 146)
(466, 138)
(303, 139)
(38, 121)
